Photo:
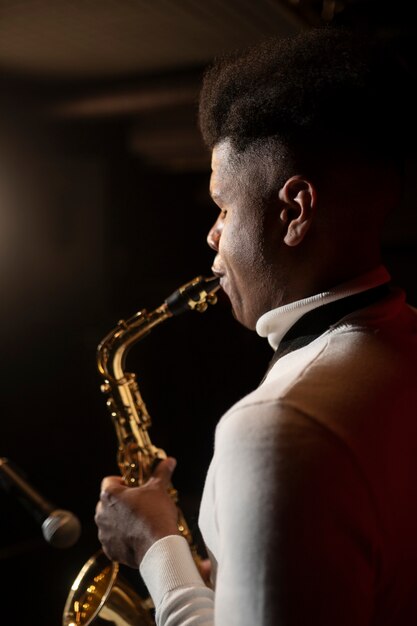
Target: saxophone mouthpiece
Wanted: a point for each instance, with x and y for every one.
(194, 296)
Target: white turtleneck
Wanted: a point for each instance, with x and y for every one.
(306, 510)
(274, 324)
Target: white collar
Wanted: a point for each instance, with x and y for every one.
(274, 324)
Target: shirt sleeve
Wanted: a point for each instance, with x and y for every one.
(179, 594)
(296, 528)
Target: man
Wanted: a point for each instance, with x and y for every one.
(309, 512)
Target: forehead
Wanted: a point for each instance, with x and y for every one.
(224, 170)
(257, 173)
(221, 155)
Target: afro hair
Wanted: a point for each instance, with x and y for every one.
(322, 90)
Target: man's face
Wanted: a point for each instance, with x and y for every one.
(246, 238)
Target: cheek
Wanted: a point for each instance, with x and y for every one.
(244, 248)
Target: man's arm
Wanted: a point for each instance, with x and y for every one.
(138, 522)
(297, 528)
(296, 531)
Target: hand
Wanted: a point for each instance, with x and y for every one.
(131, 519)
(204, 567)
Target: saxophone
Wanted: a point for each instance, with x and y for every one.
(99, 594)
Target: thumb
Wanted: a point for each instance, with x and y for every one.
(164, 469)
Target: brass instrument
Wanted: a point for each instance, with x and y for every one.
(99, 593)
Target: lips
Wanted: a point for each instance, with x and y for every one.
(217, 267)
(217, 271)
(222, 276)
(219, 274)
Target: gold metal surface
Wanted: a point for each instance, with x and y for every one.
(99, 593)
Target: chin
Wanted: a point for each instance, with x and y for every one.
(246, 318)
(243, 319)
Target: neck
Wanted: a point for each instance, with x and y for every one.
(274, 323)
(310, 279)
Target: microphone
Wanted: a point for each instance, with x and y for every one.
(60, 528)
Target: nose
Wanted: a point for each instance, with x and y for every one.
(215, 232)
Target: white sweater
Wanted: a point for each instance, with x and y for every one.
(309, 511)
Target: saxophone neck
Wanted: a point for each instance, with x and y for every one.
(195, 295)
(112, 351)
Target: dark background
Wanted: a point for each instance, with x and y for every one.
(104, 210)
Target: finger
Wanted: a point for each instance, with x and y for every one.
(164, 470)
(204, 567)
(111, 484)
(98, 512)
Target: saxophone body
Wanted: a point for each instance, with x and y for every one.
(99, 594)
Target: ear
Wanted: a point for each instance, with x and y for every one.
(299, 197)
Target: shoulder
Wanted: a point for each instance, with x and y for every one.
(270, 428)
(357, 377)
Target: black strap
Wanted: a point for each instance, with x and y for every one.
(316, 322)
